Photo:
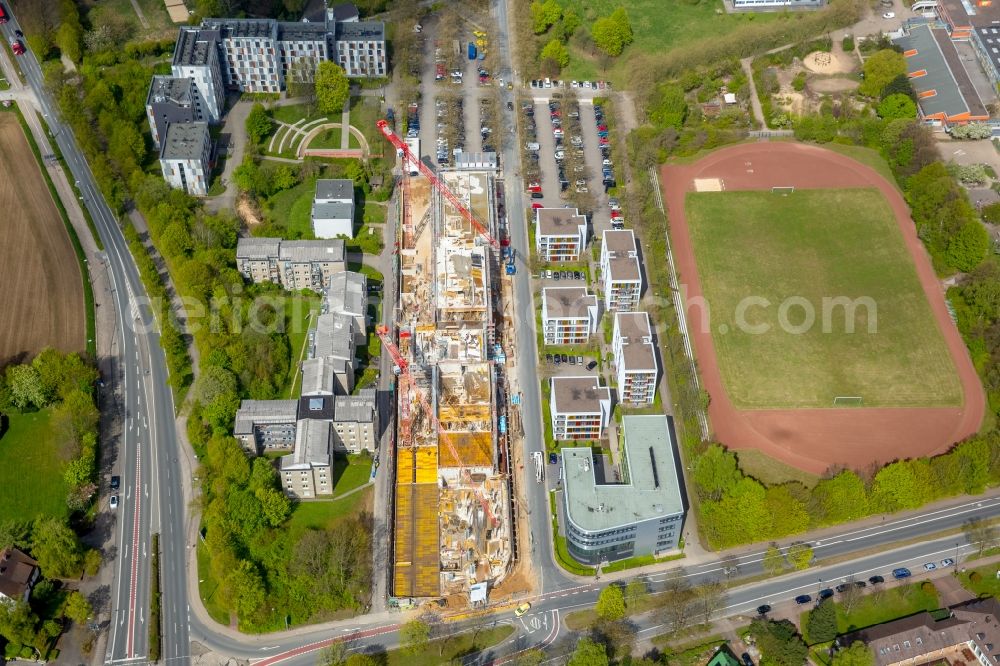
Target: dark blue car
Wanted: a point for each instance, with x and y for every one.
(901, 572)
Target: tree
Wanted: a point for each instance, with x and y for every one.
(25, 387)
(611, 603)
(556, 51)
(774, 561)
(856, 655)
(897, 106)
(532, 657)
(822, 623)
(981, 533)
(669, 109)
(971, 131)
(258, 124)
(880, 69)
(301, 81)
(589, 653)
(800, 555)
(77, 608)
(275, 505)
(56, 548)
(779, 643)
(612, 33)
(840, 499)
(69, 36)
(634, 591)
(544, 15)
(358, 659)
(969, 246)
(570, 23)
(246, 589)
(14, 533)
(332, 87)
(716, 472)
(897, 487)
(414, 636)
(18, 623)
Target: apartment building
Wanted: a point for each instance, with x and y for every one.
(333, 208)
(335, 340)
(185, 157)
(266, 425)
(249, 53)
(641, 515)
(302, 41)
(361, 48)
(348, 294)
(635, 358)
(305, 472)
(196, 57)
(569, 315)
(560, 234)
(620, 272)
(579, 408)
(172, 100)
(294, 265)
(355, 422)
(318, 376)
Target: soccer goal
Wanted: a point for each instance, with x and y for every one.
(848, 401)
(783, 191)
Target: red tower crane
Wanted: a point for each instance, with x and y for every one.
(405, 426)
(435, 181)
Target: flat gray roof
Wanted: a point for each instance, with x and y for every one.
(253, 412)
(931, 55)
(185, 141)
(637, 343)
(578, 395)
(361, 31)
(257, 248)
(312, 250)
(335, 188)
(334, 333)
(619, 242)
(348, 293)
(317, 376)
(568, 302)
(559, 221)
(333, 211)
(194, 46)
(358, 408)
(242, 27)
(651, 490)
(301, 31)
(312, 446)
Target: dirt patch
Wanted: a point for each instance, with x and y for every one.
(42, 286)
(792, 103)
(247, 212)
(815, 439)
(823, 62)
(834, 85)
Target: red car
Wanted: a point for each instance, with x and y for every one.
(17, 47)
(536, 206)
(555, 114)
(602, 128)
(615, 214)
(603, 141)
(3, 14)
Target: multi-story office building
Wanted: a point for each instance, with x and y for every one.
(294, 265)
(333, 208)
(620, 271)
(348, 294)
(355, 422)
(642, 515)
(305, 472)
(569, 315)
(635, 358)
(264, 425)
(560, 234)
(172, 100)
(579, 408)
(196, 57)
(185, 157)
(361, 48)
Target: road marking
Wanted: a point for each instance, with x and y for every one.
(129, 644)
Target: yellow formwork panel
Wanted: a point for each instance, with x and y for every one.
(426, 464)
(404, 466)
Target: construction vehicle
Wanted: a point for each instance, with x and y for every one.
(436, 182)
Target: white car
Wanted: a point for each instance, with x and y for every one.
(574, 84)
(607, 162)
(114, 502)
(889, 15)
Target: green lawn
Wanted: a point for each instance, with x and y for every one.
(292, 113)
(298, 310)
(323, 514)
(292, 210)
(365, 112)
(888, 604)
(771, 471)
(982, 580)
(766, 261)
(31, 475)
(453, 650)
(328, 138)
(208, 587)
(350, 472)
(658, 26)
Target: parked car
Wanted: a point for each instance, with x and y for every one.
(803, 599)
(840, 588)
(763, 609)
(525, 607)
(860, 584)
(116, 482)
(535, 205)
(553, 458)
(114, 502)
(900, 573)
(565, 358)
(747, 661)
(572, 360)
(825, 593)
(557, 359)
(889, 15)
(930, 566)
(947, 562)
(579, 360)
(876, 580)
(591, 365)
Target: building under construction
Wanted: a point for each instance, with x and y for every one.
(453, 525)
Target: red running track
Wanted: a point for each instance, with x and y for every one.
(815, 439)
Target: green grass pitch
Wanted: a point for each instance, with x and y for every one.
(812, 245)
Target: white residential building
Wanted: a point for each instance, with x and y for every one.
(305, 472)
(355, 422)
(361, 48)
(196, 57)
(172, 100)
(569, 315)
(185, 155)
(579, 408)
(335, 340)
(560, 234)
(333, 208)
(250, 53)
(620, 272)
(348, 294)
(635, 358)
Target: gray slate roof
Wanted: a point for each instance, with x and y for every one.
(312, 446)
(358, 408)
(348, 293)
(264, 411)
(257, 248)
(334, 333)
(303, 251)
(335, 188)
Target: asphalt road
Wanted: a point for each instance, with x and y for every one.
(148, 452)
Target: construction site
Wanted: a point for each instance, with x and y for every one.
(453, 531)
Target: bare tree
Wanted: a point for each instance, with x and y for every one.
(981, 534)
(851, 595)
(709, 598)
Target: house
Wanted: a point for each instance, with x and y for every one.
(620, 272)
(360, 47)
(579, 408)
(560, 234)
(305, 472)
(945, 93)
(643, 514)
(335, 340)
(635, 358)
(355, 422)
(333, 208)
(172, 100)
(266, 425)
(196, 58)
(569, 315)
(18, 575)
(348, 294)
(295, 265)
(185, 155)
(970, 634)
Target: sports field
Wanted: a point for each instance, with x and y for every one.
(789, 255)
